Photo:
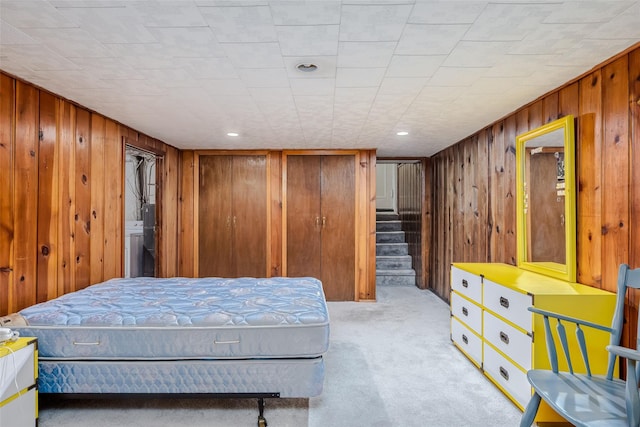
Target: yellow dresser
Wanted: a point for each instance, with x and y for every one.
(491, 325)
(18, 375)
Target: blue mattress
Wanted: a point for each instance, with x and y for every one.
(181, 318)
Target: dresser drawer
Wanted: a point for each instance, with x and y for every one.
(467, 341)
(467, 284)
(467, 312)
(505, 373)
(509, 304)
(509, 340)
(21, 411)
(17, 370)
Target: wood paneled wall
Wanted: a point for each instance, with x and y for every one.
(61, 196)
(414, 202)
(474, 211)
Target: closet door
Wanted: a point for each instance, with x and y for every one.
(232, 216)
(338, 232)
(320, 192)
(214, 217)
(249, 218)
(303, 216)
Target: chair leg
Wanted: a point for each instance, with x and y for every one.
(530, 411)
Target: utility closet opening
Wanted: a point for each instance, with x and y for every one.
(140, 213)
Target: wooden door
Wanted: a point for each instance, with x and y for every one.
(303, 216)
(338, 255)
(249, 216)
(321, 222)
(214, 217)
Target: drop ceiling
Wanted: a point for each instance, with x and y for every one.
(190, 71)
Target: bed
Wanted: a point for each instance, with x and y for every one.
(258, 337)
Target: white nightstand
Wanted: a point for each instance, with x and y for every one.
(18, 375)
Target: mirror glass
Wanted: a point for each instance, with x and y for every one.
(546, 200)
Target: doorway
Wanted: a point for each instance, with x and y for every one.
(387, 187)
(140, 216)
(402, 226)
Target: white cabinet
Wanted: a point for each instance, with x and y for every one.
(492, 326)
(18, 374)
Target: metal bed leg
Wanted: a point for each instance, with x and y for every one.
(262, 422)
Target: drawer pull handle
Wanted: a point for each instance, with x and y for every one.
(465, 339)
(504, 337)
(504, 373)
(504, 302)
(465, 283)
(465, 311)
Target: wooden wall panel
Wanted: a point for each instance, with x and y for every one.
(61, 199)
(113, 201)
(169, 249)
(7, 149)
(275, 210)
(67, 194)
(47, 248)
(589, 177)
(22, 291)
(96, 188)
(606, 105)
(82, 182)
(186, 215)
(498, 190)
(634, 98)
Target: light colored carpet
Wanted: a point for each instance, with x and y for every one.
(391, 363)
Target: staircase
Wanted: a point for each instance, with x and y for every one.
(393, 262)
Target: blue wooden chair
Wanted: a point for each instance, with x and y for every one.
(585, 399)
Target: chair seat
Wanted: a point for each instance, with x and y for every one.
(583, 401)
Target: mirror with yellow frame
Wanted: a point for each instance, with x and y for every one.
(546, 201)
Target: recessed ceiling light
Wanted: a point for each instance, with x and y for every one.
(402, 133)
(232, 134)
(307, 68)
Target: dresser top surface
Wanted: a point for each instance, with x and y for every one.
(527, 281)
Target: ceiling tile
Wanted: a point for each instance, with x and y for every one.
(210, 68)
(373, 22)
(254, 55)
(509, 21)
(365, 54)
(264, 77)
(37, 58)
(240, 24)
(627, 20)
(446, 12)
(33, 14)
(309, 40)
(359, 77)
(306, 13)
(69, 42)
(142, 55)
(585, 12)
(414, 66)
(165, 13)
(188, 42)
(430, 39)
(11, 35)
(112, 24)
(312, 87)
(456, 76)
(477, 54)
